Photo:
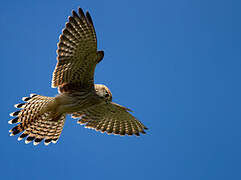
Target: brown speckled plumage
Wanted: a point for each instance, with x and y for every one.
(42, 118)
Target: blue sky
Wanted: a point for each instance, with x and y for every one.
(177, 64)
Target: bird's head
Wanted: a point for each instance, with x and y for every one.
(102, 91)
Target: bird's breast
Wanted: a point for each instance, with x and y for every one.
(73, 102)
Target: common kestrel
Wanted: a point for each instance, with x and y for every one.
(42, 118)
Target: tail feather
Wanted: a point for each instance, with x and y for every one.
(13, 121)
(21, 105)
(22, 136)
(36, 124)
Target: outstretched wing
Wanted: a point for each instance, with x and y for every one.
(111, 118)
(77, 54)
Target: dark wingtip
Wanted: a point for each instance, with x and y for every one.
(74, 14)
(71, 19)
(129, 133)
(100, 56)
(89, 19)
(81, 13)
(122, 133)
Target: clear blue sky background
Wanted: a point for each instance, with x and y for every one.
(176, 63)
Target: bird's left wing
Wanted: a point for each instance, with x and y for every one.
(111, 118)
(77, 54)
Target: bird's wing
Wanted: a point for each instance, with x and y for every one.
(77, 54)
(111, 118)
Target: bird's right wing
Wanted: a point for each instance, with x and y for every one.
(77, 54)
(111, 118)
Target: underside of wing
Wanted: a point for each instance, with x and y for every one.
(77, 53)
(111, 118)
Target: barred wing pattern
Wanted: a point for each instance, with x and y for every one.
(42, 118)
(77, 53)
(35, 125)
(111, 118)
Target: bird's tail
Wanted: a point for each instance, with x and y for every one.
(35, 122)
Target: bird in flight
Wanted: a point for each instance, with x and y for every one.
(42, 118)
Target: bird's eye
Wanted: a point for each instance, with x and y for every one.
(106, 95)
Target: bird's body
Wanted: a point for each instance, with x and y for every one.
(42, 118)
(69, 103)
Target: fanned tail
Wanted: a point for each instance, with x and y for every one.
(34, 123)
